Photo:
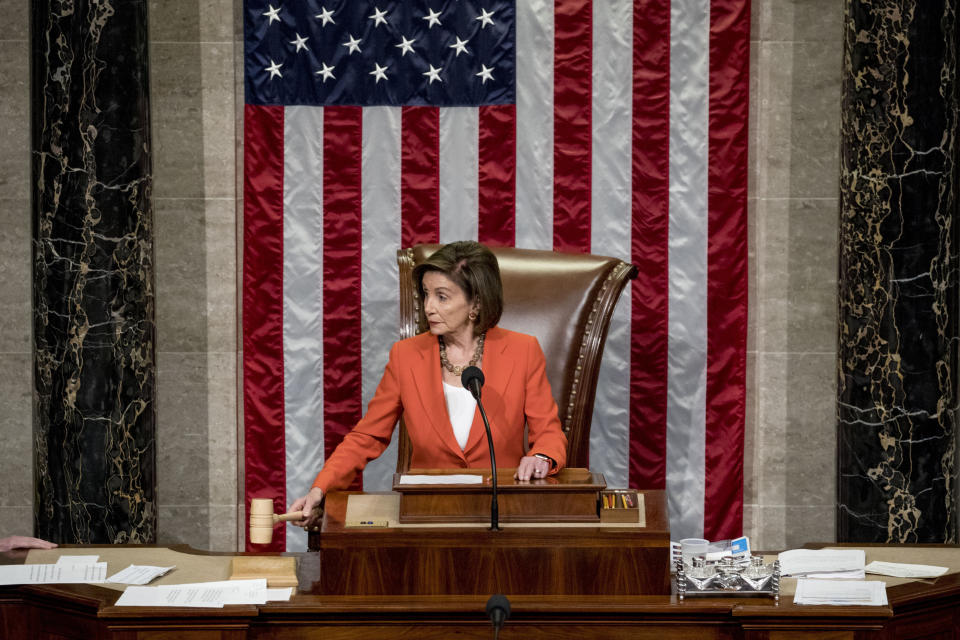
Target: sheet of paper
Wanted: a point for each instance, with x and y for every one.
(900, 570)
(138, 574)
(279, 593)
(840, 592)
(181, 596)
(856, 574)
(62, 560)
(53, 573)
(202, 594)
(801, 562)
(455, 478)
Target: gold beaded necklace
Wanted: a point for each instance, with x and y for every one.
(457, 371)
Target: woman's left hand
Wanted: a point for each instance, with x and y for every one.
(532, 467)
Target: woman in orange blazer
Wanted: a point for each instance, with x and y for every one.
(462, 299)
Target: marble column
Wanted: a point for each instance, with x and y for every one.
(93, 301)
(898, 331)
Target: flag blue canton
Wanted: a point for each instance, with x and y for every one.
(354, 52)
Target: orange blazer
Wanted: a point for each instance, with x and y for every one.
(515, 391)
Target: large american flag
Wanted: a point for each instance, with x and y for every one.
(616, 127)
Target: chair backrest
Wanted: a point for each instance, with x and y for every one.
(565, 300)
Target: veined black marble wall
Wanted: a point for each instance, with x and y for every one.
(898, 330)
(94, 331)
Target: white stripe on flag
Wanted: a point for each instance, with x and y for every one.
(302, 303)
(379, 313)
(459, 152)
(534, 82)
(687, 342)
(611, 226)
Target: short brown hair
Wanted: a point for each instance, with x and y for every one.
(473, 268)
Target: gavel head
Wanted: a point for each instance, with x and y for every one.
(261, 520)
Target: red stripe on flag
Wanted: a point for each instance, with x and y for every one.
(264, 469)
(420, 175)
(342, 220)
(650, 232)
(726, 268)
(497, 175)
(573, 89)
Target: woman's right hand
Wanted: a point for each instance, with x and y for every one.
(309, 504)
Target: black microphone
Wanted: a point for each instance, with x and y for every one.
(472, 379)
(498, 610)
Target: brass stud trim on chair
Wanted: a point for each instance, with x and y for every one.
(581, 356)
(602, 304)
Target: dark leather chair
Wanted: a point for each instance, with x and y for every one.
(565, 300)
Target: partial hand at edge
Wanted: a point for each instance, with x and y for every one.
(24, 542)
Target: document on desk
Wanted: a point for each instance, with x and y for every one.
(92, 572)
(203, 594)
(823, 563)
(840, 592)
(453, 478)
(901, 570)
(138, 574)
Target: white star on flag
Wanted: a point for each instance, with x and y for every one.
(485, 74)
(432, 18)
(274, 69)
(405, 46)
(485, 18)
(353, 44)
(379, 72)
(299, 43)
(326, 72)
(433, 74)
(272, 13)
(460, 46)
(327, 16)
(378, 17)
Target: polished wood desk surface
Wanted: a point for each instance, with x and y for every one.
(921, 609)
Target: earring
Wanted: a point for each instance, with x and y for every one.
(472, 315)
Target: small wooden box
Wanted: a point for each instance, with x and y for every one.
(619, 505)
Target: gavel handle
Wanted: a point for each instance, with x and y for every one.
(287, 517)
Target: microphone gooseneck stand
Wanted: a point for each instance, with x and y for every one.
(498, 610)
(472, 379)
(498, 607)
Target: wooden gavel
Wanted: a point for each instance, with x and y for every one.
(262, 519)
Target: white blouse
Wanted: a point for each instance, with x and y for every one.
(461, 406)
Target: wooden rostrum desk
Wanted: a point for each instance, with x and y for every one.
(75, 612)
(551, 542)
(547, 603)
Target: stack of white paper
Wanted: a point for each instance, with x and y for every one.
(203, 594)
(823, 563)
(900, 570)
(92, 572)
(840, 592)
